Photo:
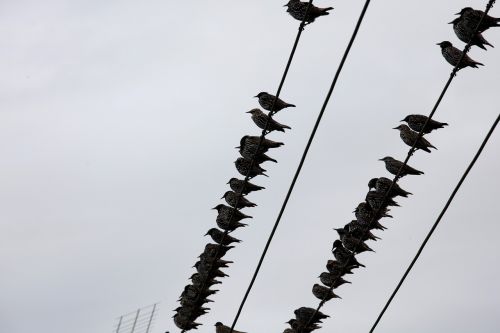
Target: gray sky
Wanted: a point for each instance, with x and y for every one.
(118, 122)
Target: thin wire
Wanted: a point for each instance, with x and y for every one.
(263, 134)
(445, 208)
(410, 153)
(301, 163)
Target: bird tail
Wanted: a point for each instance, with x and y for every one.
(324, 11)
(288, 105)
(475, 64)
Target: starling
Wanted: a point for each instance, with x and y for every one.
(417, 121)
(304, 314)
(261, 119)
(336, 268)
(191, 312)
(300, 327)
(248, 152)
(216, 251)
(243, 167)
(323, 293)
(297, 9)
(241, 187)
(207, 270)
(266, 101)
(377, 200)
(330, 280)
(254, 141)
(472, 18)
(221, 328)
(237, 201)
(199, 280)
(344, 256)
(392, 165)
(453, 55)
(225, 213)
(412, 138)
(464, 32)
(368, 218)
(184, 323)
(289, 330)
(356, 231)
(219, 237)
(351, 243)
(382, 185)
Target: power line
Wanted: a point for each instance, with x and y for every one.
(301, 163)
(410, 153)
(263, 134)
(431, 231)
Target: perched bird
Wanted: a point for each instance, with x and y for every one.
(253, 141)
(184, 323)
(221, 328)
(266, 101)
(367, 218)
(289, 330)
(261, 119)
(199, 280)
(216, 251)
(465, 32)
(392, 165)
(300, 327)
(412, 138)
(297, 9)
(344, 256)
(191, 312)
(382, 185)
(377, 200)
(337, 268)
(357, 231)
(226, 213)
(219, 238)
(332, 281)
(323, 293)
(351, 243)
(417, 121)
(305, 314)
(243, 166)
(472, 18)
(208, 270)
(248, 152)
(452, 55)
(241, 187)
(236, 200)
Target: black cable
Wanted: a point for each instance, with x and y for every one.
(445, 208)
(410, 153)
(301, 163)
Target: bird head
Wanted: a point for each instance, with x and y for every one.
(400, 127)
(385, 159)
(464, 11)
(372, 183)
(231, 180)
(225, 194)
(259, 95)
(337, 243)
(217, 324)
(211, 231)
(254, 111)
(406, 118)
(219, 206)
(444, 44)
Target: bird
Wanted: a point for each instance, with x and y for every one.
(245, 168)
(300, 327)
(297, 9)
(199, 280)
(226, 213)
(305, 314)
(344, 256)
(191, 312)
(241, 187)
(472, 17)
(382, 185)
(417, 121)
(254, 141)
(367, 218)
(332, 281)
(353, 229)
(220, 238)
(411, 138)
(221, 328)
(261, 120)
(184, 323)
(336, 268)
(465, 32)
(249, 152)
(351, 243)
(237, 201)
(377, 200)
(216, 251)
(323, 293)
(266, 100)
(452, 55)
(392, 165)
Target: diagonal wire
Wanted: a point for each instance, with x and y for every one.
(410, 153)
(263, 134)
(301, 163)
(431, 231)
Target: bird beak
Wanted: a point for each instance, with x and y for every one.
(214, 208)
(402, 120)
(458, 13)
(381, 159)
(451, 22)
(206, 234)
(249, 111)
(238, 147)
(438, 44)
(228, 182)
(256, 96)
(222, 197)
(395, 127)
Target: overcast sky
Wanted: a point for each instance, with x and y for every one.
(118, 126)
